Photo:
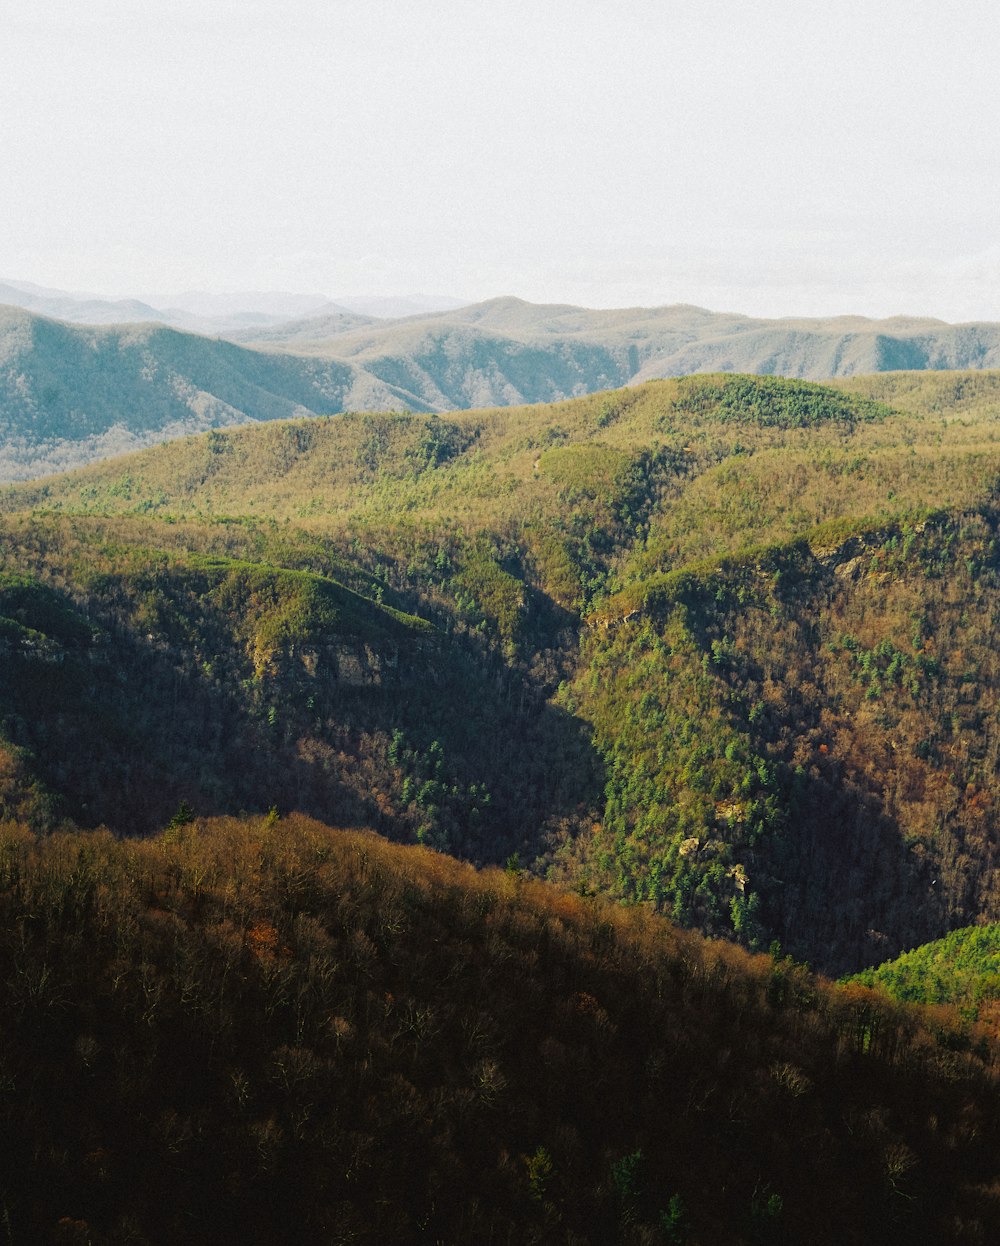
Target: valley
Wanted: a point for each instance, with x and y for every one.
(699, 676)
(722, 645)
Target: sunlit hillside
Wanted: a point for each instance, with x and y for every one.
(719, 646)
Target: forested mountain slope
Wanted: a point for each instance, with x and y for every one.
(266, 1031)
(715, 652)
(722, 646)
(963, 968)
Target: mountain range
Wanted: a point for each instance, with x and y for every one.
(727, 641)
(71, 393)
(201, 311)
(639, 344)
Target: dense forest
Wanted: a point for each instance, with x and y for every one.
(265, 1031)
(963, 969)
(714, 653)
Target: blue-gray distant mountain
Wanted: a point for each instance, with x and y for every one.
(195, 311)
(389, 307)
(70, 394)
(241, 312)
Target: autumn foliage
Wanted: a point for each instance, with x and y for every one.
(267, 1031)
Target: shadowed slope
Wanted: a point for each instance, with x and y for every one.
(272, 1032)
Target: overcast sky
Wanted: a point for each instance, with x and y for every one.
(765, 156)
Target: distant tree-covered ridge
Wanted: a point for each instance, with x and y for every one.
(76, 393)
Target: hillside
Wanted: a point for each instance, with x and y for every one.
(710, 656)
(720, 646)
(69, 394)
(265, 1031)
(287, 334)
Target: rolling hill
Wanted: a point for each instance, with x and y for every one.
(264, 1030)
(640, 344)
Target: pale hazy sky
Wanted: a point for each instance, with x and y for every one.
(765, 156)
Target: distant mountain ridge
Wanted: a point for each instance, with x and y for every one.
(647, 343)
(72, 393)
(200, 311)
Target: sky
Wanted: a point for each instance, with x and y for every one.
(772, 157)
